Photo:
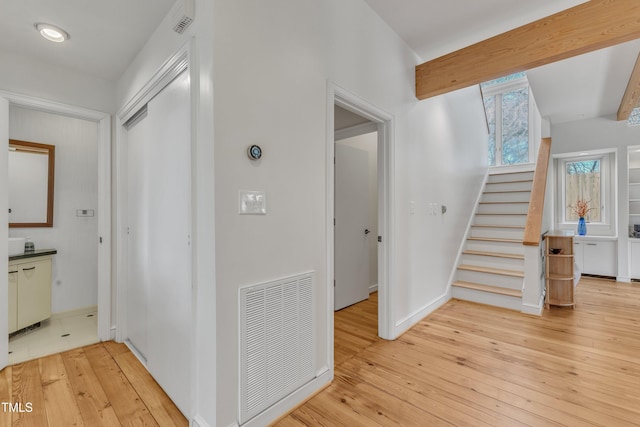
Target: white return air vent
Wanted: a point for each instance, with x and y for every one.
(182, 15)
(276, 342)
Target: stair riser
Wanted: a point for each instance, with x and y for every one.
(498, 280)
(493, 262)
(520, 176)
(501, 219)
(507, 186)
(502, 247)
(524, 196)
(504, 208)
(489, 298)
(498, 233)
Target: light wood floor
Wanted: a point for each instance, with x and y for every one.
(99, 385)
(473, 365)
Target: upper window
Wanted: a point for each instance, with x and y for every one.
(508, 106)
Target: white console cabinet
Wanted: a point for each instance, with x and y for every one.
(596, 256)
(29, 291)
(634, 258)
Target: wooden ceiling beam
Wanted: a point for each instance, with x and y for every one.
(589, 26)
(631, 96)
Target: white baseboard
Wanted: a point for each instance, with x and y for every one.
(373, 288)
(198, 421)
(535, 310)
(623, 279)
(288, 403)
(405, 324)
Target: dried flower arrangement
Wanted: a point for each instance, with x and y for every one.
(581, 208)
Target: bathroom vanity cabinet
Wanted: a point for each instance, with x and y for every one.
(29, 289)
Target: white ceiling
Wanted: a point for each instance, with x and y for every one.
(105, 35)
(587, 86)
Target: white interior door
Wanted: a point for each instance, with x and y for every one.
(4, 232)
(159, 248)
(351, 231)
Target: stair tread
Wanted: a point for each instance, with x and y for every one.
(494, 239)
(507, 191)
(509, 182)
(488, 288)
(502, 203)
(521, 214)
(491, 270)
(498, 226)
(494, 254)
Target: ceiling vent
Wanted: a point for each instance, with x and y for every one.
(182, 15)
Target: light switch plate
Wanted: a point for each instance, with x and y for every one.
(252, 202)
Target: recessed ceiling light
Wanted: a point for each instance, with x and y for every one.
(51, 32)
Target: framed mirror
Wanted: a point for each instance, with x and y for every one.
(31, 176)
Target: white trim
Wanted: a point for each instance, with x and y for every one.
(198, 421)
(408, 322)
(607, 226)
(104, 192)
(520, 167)
(168, 71)
(291, 401)
(535, 310)
(373, 288)
(356, 130)
(339, 96)
(623, 279)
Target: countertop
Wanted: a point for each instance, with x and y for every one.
(33, 254)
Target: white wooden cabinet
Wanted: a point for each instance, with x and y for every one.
(595, 256)
(29, 291)
(634, 259)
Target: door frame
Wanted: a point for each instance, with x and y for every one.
(341, 97)
(104, 193)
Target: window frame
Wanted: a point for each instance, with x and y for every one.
(498, 90)
(608, 191)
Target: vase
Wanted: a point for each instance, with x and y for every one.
(582, 227)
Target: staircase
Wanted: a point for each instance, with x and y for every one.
(491, 270)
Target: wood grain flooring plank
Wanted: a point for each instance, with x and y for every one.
(469, 363)
(27, 390)
(126, 403)
(5, 395)
(59, 399)
(92, 401)
(156, 400)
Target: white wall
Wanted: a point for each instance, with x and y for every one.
(270, 80)
(369, 143)
(30, 76)
(270, 88)
(599, 133)
(75, 267)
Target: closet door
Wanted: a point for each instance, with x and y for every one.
(160, 227)
(138, 178)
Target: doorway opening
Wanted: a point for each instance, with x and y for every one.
(360, 240)
(355, 233)
(80, 302)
